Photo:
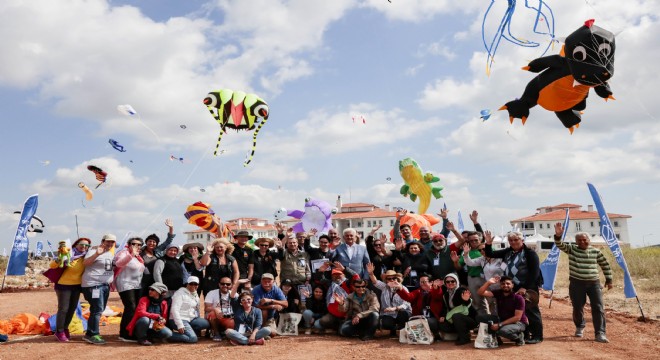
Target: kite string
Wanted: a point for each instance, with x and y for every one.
(148, 128)
(179, 191)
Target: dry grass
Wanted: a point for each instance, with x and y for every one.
(643, 265)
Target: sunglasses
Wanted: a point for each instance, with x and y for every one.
(359, 287)
(377, 245)
(136, 244)
(84, 245)
(193, 284)
(246, 300)
(225, 284)
(450, 281)
(391, 279)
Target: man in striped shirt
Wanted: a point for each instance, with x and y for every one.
(583, 262)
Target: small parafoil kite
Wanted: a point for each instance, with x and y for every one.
(359, 118)
(586, 61)
(418, 185)
(182, 126)
(202, 190)
(116, 145)
(174, 158)
(237, 110)
(101, 175)
(485, 114)
(543, 14)
(130, 112)
(202, 215)
(89, 195)
(317, 215)
(45, 162)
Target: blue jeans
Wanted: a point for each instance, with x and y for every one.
(190, 330)
(242, 339)
(142, 331)
(308, 316)
(96, 306)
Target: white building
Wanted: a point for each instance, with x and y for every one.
(541, 225)
(363, 217)
(254, 226)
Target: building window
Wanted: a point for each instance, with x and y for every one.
(359, 224)
(528, 226)
(592, 224)
(616, 224)
(391, 222)
(547, 226)
(368, 223)
(578, 227)
(617, 236)
(380, 222)
(540, 226)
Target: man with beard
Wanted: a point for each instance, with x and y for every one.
(335, 240)
(242, 253)
(510, 321)
(439, 255)
(294, 263)
(522, 266)
(425, 238)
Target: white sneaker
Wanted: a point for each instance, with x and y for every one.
(308, 331)
(579, 332)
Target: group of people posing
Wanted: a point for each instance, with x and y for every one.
(340, 285)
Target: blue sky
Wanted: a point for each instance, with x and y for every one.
(414, 69)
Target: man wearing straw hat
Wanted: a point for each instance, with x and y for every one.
(394, 311)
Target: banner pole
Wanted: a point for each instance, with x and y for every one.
(638, 304)
(550, 304)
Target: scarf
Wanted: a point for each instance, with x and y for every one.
(78, 254)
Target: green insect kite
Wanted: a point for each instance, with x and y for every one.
(237, 110)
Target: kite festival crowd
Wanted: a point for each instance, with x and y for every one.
(352, 287)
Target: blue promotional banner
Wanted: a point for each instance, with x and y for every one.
(609, 236)
(549, 265)
(19, 251)
(460, 222)
(40, 248)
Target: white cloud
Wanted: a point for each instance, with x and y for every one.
(68, 178)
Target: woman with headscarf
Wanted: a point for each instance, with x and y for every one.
(129, 268)
(191, 262)
(152, 251)
(458, 315)
(219, 263)
(68, 289)
(168, 270)
(150, 316)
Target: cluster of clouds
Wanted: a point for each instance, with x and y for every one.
(81, 56)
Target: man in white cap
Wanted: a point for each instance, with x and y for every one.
(184, 314)
(95, 285)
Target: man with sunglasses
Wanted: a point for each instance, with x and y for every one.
(439, 255)
(184, 320)
(394, 311)
(262, 260)
(361, 307)
(522, 266)
(218, 306)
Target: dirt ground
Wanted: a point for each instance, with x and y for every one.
(629, 338)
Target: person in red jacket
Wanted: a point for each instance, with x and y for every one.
(339, 285)
(150, 316)
(426, 301)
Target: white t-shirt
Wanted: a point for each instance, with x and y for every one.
(221, 301)
(100, 271)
